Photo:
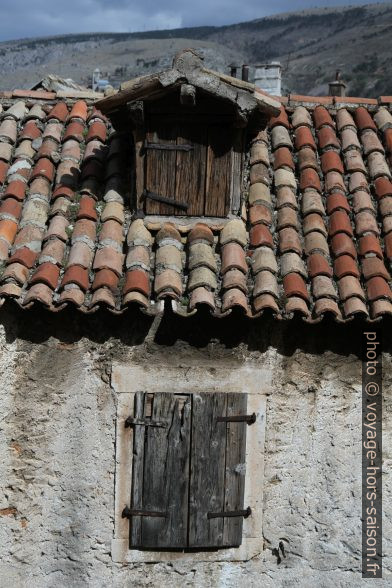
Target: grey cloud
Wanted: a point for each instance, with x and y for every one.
(23, 18)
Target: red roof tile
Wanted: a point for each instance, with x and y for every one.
(294, 285)
(322, 117)
(75, 215)
(363, 119)
(304, 138)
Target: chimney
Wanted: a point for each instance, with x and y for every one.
(337, 87)
(245, 73)
(233, 70)
(268, 77)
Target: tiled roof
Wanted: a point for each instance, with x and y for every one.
(315, 237)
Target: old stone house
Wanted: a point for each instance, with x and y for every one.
(188, 268)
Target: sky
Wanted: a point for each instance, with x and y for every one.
(36, 18)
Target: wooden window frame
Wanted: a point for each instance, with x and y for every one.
(233, 199)
(126, 382)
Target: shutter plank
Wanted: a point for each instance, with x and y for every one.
(166, 473)
(207, 477)
(135, 529)
(219, 166)
(191, 169)
(161, 169)
(235, 469)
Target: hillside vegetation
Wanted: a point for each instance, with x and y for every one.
(311, 45)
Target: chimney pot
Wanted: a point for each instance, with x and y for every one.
(233, 70)
(245, 73)
(338, 87)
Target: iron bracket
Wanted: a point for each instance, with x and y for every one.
(132, 422)
(243, 418)
(233, 513)
(128, 513)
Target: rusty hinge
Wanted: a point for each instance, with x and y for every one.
(132, 422)
(165, 200)
(231, 513)
(167, 146)
(127, 513)
(243, 418)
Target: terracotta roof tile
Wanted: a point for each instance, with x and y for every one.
(72, 222)
(301, 117)
(314, 222)
(265, 283)
(322, 117)
(76, 275)
(383, 187)
(322, 287)
(316, 242)
(330, 161)
(388, 140)
(58, 112)
(304, 138)
(279, 135)
(337, 201)
(260, 235)
(353, 306)
(285, 196)
(281, 119)
(350, 139)
(283, 158)
(46, 273)
(307, 158)
(318, 266)
(79, 110)
(289, 241)
(369, 244)
(294, 285)
(309, 178)
(378, 288)
(363, 119)
(312, 202)
(344, 265)
(344, 119)
(372, 267)
(362, 201)
(260, 214)
(365, 222)
(258, 153)
(137, 281)
(339, 222)
(349, 286)
(327, 138)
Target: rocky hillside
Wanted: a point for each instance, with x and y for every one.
(311, 45)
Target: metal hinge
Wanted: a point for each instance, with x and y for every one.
(127, 513)
(132, 422)
(243, 418)
(165, 200)
(231, 513)
(167, 146)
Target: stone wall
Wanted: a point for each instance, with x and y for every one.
(57, 442)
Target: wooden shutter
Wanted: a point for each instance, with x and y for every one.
(160, 471)
(188, 471)
(217, 478)
(203, 177)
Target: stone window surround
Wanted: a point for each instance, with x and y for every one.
(201, 377)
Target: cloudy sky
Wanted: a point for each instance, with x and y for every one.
(33, 18)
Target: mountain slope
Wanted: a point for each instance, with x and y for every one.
(311, 45)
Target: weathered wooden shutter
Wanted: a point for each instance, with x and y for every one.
(160, 471)
(189, 169)
(188, 470)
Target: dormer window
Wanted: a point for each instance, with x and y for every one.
(189, 127)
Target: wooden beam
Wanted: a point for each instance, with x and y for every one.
(188, 95)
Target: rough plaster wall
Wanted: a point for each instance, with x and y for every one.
(57, 427)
